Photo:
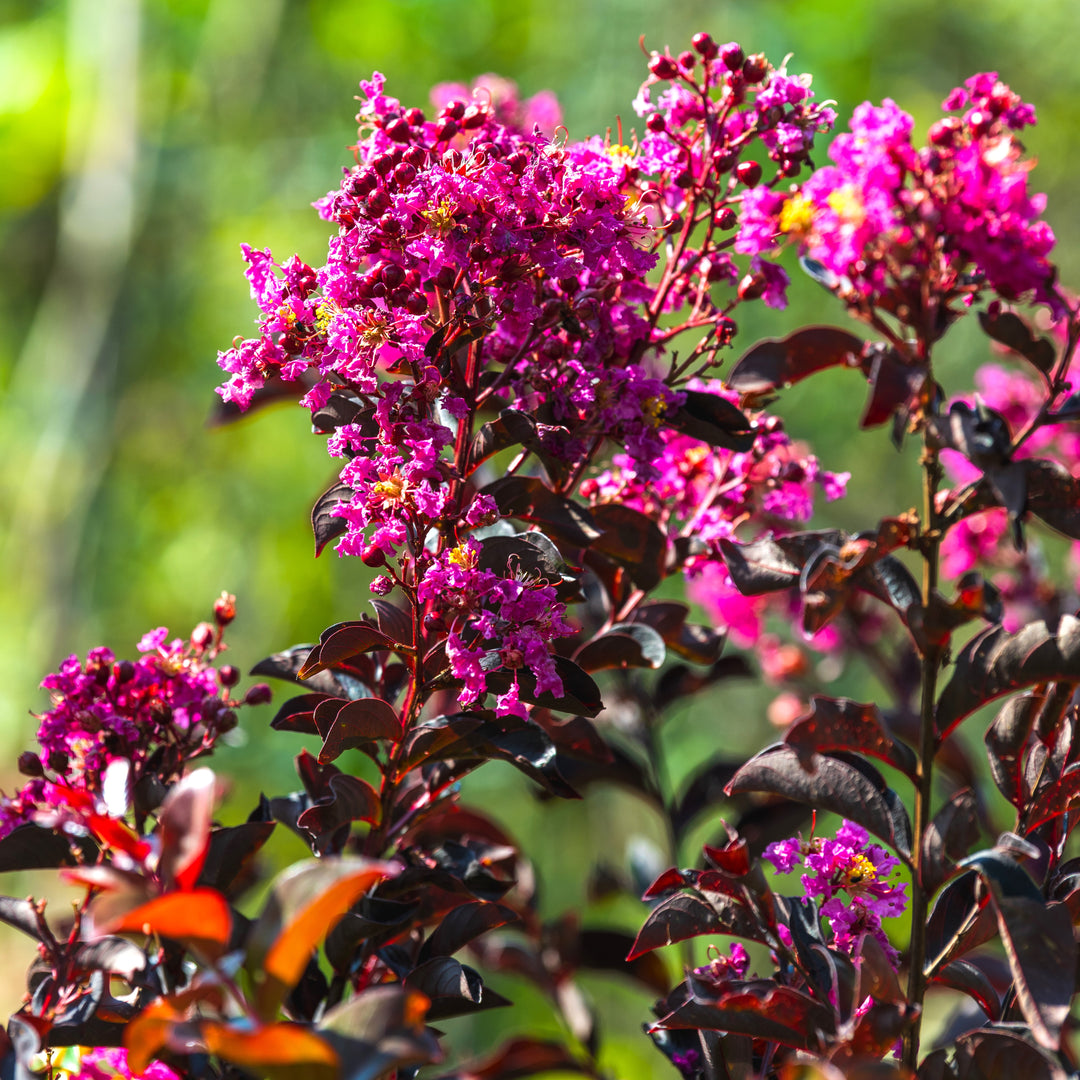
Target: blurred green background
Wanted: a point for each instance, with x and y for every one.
(144, 140)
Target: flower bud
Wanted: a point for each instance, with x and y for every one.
(30, 764)
(704, 44)
(732, 56)
(373, 555)
(663, 67)
(377, 203)
(444, 279)
(404, 174)
(755, 68)
(748, 173)
(259, 694)
(687, 60)
(474, 117)
(752, 287)
(399, 130)
(58, 761)
(726, 218)
(416, 156)
(229, 675)
(123, 672)
(434, 624)
(414, 116)
(656, 123)
(446, 130)
(202, 637)
(417, 303)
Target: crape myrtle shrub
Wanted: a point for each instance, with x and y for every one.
(520, 354)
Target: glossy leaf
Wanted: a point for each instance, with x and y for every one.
(996, 662)
(1000, 1054)
(580, 692)
(199, 919)
(714, 420)
(624, 645)
(31, 847)
(357, 723)
(298, 714)
(1010, 330)
(761, 1010)
(1053, 799)
(1006, 738)
(22, 915)
(827, 783)
(677, 918)
(774, 363)
(325, 524)
(949, 837)
(303, 904)
(269, 1048)
(775, 563)
(842, 724)
(1053, 495)
(968, 979)
(633, 540)
(185, 820)
(346, 799)
(453, 988)
(342, 642)
(463, 924)
(1031, 932)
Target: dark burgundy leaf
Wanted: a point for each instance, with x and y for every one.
(957, 923)
(580, 692)
(431, 738)
(530, 552)
(342, 408)
(1053, 799)
(325, 524)
(348, 799)
(855, 792)
(463, 924)
(1032, 931)
(979, 433)
(633, 540)
(624, 645)
(893, 383)
(948, 838)
(842, 724)
(996, 662)
(964, 976)
(765, 566)
(675, 919)
(393, 622)
(298, 714)
(115, 955)
(342, 642)
(231, 850)
(1011, 331)
(1053, 495)
(713, 420)
(21, 915)
(453, 988)
(30, 847)
(1006, 738)
(286, 665)
(357, 723)
(761, 1010)
(530, 499)
(774, 363)
(375, 920)
(988, 1054)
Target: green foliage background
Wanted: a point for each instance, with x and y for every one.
(144, 140)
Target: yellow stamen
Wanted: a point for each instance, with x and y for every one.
(441, 217)
(797, 215)
(846, 202)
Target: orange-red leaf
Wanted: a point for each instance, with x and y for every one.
(199, 919)
(272, 1046)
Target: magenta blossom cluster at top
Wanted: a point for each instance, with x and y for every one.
(888, 215)
(153, 714)
(850, 877)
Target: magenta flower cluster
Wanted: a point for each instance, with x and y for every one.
(887, 214)
(849, 877)
(154, 714)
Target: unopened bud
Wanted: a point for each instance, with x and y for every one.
(229, 675)
(663, 67)
(202, 637)
(30, 764)
(382, 585)
(225, 609)
(752, 287)
(704, 44)
(748, 173)
(259, 694)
